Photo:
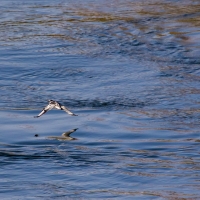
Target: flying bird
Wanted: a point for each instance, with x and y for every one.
(54, 104)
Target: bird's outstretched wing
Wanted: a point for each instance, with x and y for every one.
(45, 109)
(66, 110)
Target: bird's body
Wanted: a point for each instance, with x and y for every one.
(54, 104)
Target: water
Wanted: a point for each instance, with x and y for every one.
(130, 70)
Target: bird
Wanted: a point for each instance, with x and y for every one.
(64, 136)
(54, 104)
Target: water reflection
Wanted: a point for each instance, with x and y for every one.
(64, 136)
(165, 33)
(131, 68)
(157, 29)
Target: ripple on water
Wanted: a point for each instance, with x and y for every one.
(130, 70)
(141, 161)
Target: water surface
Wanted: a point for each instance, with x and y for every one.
(130, 70)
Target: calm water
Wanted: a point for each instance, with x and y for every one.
(130, 70)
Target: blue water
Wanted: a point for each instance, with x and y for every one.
(131, 72)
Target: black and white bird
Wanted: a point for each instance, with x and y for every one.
(54, 104)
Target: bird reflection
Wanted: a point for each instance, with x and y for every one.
(64, 136)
